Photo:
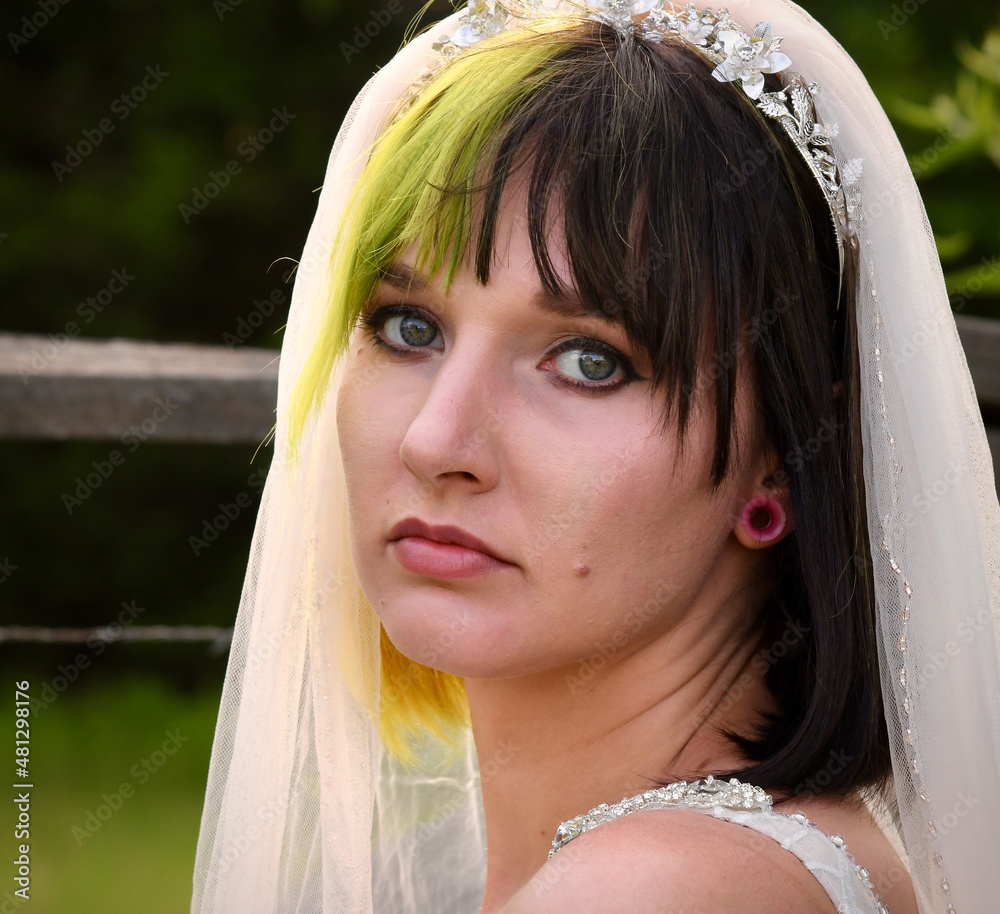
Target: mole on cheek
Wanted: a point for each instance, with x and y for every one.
(581, 570)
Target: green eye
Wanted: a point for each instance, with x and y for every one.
(411, 329)
(400, 327)
(586, 364)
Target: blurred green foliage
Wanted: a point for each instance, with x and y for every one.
(113, 817)
(966, 128)
(937, 75)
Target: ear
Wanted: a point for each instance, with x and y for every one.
(765, 518)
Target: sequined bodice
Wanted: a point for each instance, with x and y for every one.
(825, 856)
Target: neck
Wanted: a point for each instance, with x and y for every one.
(620, 722)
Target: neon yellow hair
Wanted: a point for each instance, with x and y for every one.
(400, 200)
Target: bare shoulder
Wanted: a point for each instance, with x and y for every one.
(664, 861)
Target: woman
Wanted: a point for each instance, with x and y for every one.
(590, 432)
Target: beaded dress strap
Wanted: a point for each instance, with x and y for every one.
(825, 856)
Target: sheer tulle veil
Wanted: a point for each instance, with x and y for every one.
(304, 811)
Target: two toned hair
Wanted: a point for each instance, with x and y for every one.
(690, 220)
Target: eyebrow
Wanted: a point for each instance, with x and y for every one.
(405, 278)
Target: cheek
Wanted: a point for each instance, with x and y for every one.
(577, 503)
(615, 495)
(369, 446)
(647, 537)
(370, 416)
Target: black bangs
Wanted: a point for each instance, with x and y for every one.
(681, 219)
(691, 220)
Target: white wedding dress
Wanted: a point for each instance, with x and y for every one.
(826, 856)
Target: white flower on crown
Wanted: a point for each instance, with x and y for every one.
(482, 19)
(694, 27)
(850, 172)
(749, 57)
(620, 13)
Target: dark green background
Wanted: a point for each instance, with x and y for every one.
(230, 65)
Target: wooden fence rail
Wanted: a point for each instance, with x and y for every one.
(103, 389)
(57, 388)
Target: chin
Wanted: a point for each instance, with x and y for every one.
(442, 631)
(429, 624)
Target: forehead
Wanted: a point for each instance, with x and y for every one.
(405, 277)
(513, 261)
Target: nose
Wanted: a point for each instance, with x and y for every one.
(453, 434)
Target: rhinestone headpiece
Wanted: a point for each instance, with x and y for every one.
(741, 57)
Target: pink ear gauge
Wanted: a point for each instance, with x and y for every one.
(763, 518)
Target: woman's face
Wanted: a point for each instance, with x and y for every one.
(520, 420)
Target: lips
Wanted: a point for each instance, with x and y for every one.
(443, 552)
(412, 526)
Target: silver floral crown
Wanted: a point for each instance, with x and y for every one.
(739, 56)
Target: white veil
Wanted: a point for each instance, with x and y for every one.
(303, 812)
